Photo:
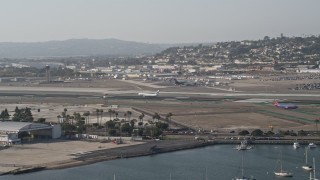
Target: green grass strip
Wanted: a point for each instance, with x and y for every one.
(287, 117)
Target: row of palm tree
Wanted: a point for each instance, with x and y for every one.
(156, 116)
(113, 115)
(99, 114)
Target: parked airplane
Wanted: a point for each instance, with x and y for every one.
(184, 82)
(149, 94)
(285, 106)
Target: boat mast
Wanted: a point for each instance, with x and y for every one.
(314, 169)
(306, 155)
(280, 162)
(242, 166)
(206, 173)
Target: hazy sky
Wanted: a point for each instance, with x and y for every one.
(157, 21)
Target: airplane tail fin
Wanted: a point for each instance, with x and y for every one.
(158, 92)
(276, 103)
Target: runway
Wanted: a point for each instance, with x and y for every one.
(100, 92)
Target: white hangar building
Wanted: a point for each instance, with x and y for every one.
(17, 132)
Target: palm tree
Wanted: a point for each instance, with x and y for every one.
(59, 117)
(156, 116)
(63, 114)
(129, 113)
(120, 130)
(101, 112)
(116, 114)
(125, 116)
(141, 117)
(77, 117)
(168, 116)
(67, 119)
(72, 118)
(97, 112)
(110, 113)
(86, 114)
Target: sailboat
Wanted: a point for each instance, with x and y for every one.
(314, 171)
(242, 173)
(296, 145)
(306, 166)
(281, 172)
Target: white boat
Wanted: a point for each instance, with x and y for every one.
(306, 166)
(243, 146)
(296, 145)
(312, 145)
(282, 173)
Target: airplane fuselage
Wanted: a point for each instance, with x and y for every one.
(149, 94)
(287, 106)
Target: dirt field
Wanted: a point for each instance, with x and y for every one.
(40, 154)
(95, 83)
(223, 116)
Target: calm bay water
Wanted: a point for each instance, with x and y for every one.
(221, 162)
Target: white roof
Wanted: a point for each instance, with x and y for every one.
(9, 126)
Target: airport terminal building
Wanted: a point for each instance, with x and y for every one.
(17, 132)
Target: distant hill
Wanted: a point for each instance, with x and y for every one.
(78, 47)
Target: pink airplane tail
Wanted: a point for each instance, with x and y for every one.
(276, 103)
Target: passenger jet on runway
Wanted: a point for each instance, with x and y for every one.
(149, 94)
(285, 106)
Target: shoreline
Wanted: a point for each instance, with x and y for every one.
(138, 150)
(146, 149)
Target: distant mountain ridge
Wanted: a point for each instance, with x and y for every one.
(78, 47)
